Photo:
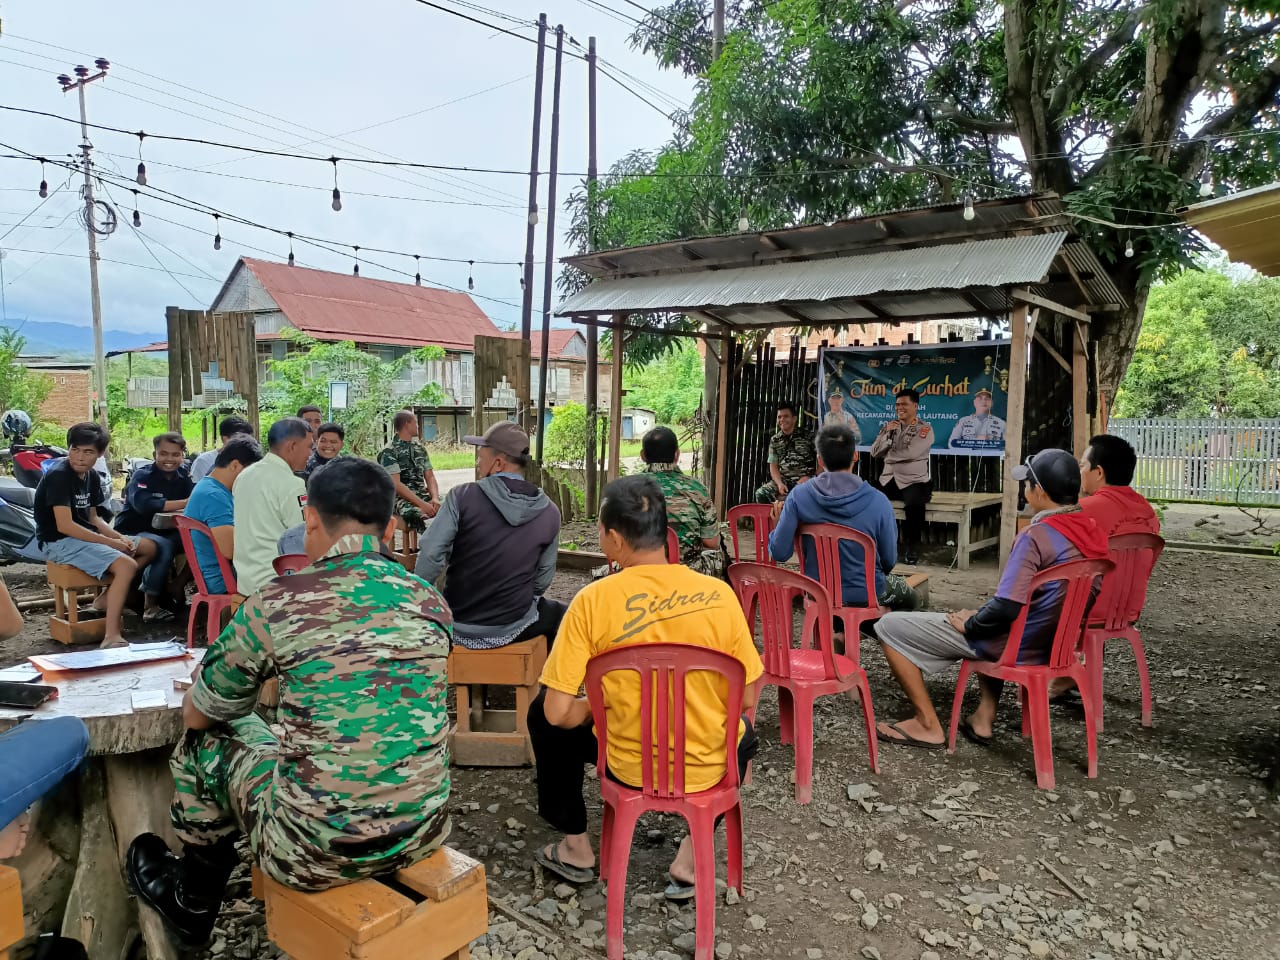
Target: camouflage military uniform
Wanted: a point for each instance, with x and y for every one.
(354, 779)
(692, 515)
(795, 456)
(409, 462)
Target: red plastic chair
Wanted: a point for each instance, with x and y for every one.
(803, 673)
(662, 670)
(827, 538)
(288, 564)
(761, 517)
(1077, 578)
(215, 603)
(673, 546)
(1115, 614)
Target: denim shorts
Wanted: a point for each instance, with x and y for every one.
(92, 558)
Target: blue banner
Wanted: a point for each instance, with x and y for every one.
(964, 391)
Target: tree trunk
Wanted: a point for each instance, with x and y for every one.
(1117, 337)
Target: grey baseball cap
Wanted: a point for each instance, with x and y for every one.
(503, 437)
(1056, 471)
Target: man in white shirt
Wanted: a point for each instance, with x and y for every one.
(269, 499)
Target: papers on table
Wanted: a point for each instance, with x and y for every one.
(115, 657)
(19, 673)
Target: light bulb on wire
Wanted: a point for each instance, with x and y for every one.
(520, 266)
(471, 274)
(1206, 183)
(142, 167)
(744, 224)
(337, 194)
(417, 267)
(137, 217)
(969, 213)
(533, 217)
(217, 233)
(355, 269)
(290, 236)
(44, 184)
(1128, 248)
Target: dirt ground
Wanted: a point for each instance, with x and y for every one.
(1172, 852)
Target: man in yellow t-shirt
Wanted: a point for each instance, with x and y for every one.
(647, 601)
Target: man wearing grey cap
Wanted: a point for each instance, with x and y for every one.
(496, 539)
(919, 643)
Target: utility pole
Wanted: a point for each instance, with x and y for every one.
(711, 384)
(526, 307)
(83, 79)
(550, 263)
(593, 332)
(717, 30)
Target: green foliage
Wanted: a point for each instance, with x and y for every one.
(1209, 344)
(565, 444)
(670, 386)
(20, 388)
(303, 377)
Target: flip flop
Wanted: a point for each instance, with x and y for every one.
(906, 740)
(567, 871)
(1068, 697)
(972, 735)
(678, 892)
(156, 615)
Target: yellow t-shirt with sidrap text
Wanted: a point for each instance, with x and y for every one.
(655, 603)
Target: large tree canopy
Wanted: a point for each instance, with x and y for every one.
(822, 109)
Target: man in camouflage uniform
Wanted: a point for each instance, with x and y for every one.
(417, 496)
(690, 511)
(354, 780)
(792, 457)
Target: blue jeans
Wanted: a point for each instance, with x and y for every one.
(157, 571)
(34, 756)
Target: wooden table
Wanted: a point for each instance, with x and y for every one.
(958, 508)
(163, 522)
(124, 788)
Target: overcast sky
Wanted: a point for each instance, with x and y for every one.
(288, 74)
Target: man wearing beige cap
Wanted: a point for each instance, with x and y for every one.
(496, 539)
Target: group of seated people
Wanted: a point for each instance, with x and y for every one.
(352, 781)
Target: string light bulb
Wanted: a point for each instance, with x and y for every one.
(355, 269)
(744, 224)
(1128, 248)
(520, 267)
(471, 274)
(969, 213)
(44, 184)
(1206, 183)
(417, 267)
(217, 233)
(137, 217)
(533, 217)
(290, 236)
(337, 194)
(142, 167)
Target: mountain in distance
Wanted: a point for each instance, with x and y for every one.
(68, 341)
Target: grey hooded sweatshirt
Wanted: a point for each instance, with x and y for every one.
(498, 537)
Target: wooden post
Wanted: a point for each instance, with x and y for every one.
(1079, 386)
(1013, 435)
(720, 494)
(250, 371)
(175, 368)
(615, 401)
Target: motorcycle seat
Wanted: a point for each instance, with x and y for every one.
(11, 491)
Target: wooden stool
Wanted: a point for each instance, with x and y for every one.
(495, 738)
(407, 553)
(66, 625)
(430, 911)
(11, 930)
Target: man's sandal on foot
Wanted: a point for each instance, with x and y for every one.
(905, 740)
(678, 892)
(548, 858)
(972, 735)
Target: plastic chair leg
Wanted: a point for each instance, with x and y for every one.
(802, 720)
(191, 624)
(1089, 697)
(1026, 714)
(1144, 677)
(1041, 736)
(606, 841)
(702, 832)
(786, 715)
(733, 845)
(957, 704)
(869, 719)
(1093, 658)
(619, 853)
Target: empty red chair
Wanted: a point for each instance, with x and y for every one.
(673, 546)
(662, 669)
(215, 603)
(288, 564)
(761, 517)
(805, 672)
(827, 538)
(1077, 578)
(1114, 615)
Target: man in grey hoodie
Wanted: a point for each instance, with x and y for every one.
(498, 538)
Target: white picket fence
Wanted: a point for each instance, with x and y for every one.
(1215, 461)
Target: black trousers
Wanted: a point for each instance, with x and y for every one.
(561, 756)
(914, 497)
(550, 613)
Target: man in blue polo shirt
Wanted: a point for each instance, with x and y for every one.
(212, 504)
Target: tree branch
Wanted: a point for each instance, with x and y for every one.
(971, 124)
(1065, 93)
(1249, 101)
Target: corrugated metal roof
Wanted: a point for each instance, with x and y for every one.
(946, 269)
(1245, 224)
(339, 306)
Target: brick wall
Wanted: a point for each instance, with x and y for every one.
(68, 401)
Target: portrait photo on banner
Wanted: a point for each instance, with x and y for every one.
(963, 386)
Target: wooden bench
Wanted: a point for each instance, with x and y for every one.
(429, 911)
(66, 625)
(11, 929)
(958, 508)
(495, 738)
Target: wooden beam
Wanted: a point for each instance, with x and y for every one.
(796, 315)
(1079, 390)
(615, 400)
(773, 243)
(1026, 296)
(1015, 425)
(1076, 279)
(690, 254)
(1049, 349)
(876, 311)
(639, 328)
(171, 315)
(722, 426)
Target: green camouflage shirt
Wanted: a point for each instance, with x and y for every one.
(360, 647)
(410, 461)
(794, 454)
(689, 508)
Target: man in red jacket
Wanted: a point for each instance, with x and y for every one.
(1106, 470)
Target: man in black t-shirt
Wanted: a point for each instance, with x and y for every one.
(71, 532)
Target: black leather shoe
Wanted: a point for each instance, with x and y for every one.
(155, 875)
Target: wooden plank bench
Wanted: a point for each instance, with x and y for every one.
(958, 508)
(68, 624)
(429, 911)
(495, 738)
(11, 929)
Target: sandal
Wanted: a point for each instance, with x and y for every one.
(973, 735)
(548, 858)
(678, 892)
(156, 615)
(906, 740)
